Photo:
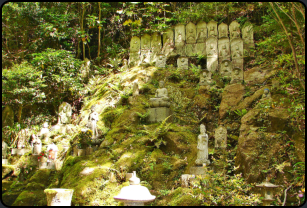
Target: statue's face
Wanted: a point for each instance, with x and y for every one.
(182, 60)
(202, 30)
(226, 64)
(236, 72)
(161, 84)
(266, 91)
(237, 48)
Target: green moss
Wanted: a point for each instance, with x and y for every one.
(29, 198)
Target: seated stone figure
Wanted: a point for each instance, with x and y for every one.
(205, 78)
(266, 94)
(161, 98)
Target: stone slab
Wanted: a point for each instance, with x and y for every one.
(197, 170)
(158, 114)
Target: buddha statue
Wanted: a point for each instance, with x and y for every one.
(161, 98)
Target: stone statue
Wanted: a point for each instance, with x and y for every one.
(183, 63)
(135, 44)
(191, 33)
(212, 51)
(4, 150)
(211, 31)
(226, 68)
(205, 78)
(236, 53)
(201, 28)
(234, 29)
(224, 52)
(37, 145)
(161, 61)
(125, 65)
(221, 137)
(135, 89)
(161, 98)
(202, 146)
(92, 121)
(64, 113)
(237, 76)
(266, 94)
(44, 133)
(22, 137)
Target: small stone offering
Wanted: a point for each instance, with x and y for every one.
(161, 61)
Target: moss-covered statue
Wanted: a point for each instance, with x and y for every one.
(266, 94)
(92, 122)
(202, 147)
(161, 98)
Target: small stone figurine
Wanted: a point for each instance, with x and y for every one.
(44, 133)
(92, 121)
(202, 147)
(266, 94)
(135, 89)
(161, 98)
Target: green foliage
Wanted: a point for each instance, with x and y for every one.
(143, 117)
(241, 113)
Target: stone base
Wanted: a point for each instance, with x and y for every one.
(159, 114)
(197, 170)
(4, 161)
(59, 196)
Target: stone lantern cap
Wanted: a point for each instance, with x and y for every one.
(135, 192)
(52, 147)
(266, 184)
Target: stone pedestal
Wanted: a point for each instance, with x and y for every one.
(59, 196)
(197, 170)
(158, 114)
(14, 151)
(4, 161)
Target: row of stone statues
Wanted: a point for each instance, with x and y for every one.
(189, 40)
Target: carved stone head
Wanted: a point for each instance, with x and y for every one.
(161, 84)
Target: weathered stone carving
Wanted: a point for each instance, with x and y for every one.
(212, 29)
(145, 58)
(224, 49)
(135, 89)
(248, 39)
(190, 49)
(266, 94)
(161, 98)
(145, 42)
(234, 30)
(226, 68)
(168, 42)
(200, 48)
(44, 133)
(64, 113)
(92, 122)
(125, 65)
(212, 54)
(190, 33)
(221, 137)
(180, 39)
(201, 32)
(236, 76)
(156, 46)
(236, 48)
(159, 105)
(205, 78)
(22, 138)
(161, 61)
(183, 63)
(37, 145)
(223, 30)
(135, 44)
(202, 147)
(145, 49)
(134, 59)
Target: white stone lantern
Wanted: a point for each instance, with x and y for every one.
(135, 194)
(267, 191)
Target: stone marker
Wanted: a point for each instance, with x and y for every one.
(161, 61)
(234, 30)
(112, 178)
(44, 133)
(7, 116)
(135, 51)
(190, 33)
(4, 150)
(92, 122)
(236, 76)
(212, 54)
(202, 147)
(224, 49)
(135, 89)
(183, 63)
(180, 39)
(59, 196)
(168, 42)
(190, 49)
(37, 145)
(223, 30)
(236, 48)
(64, 113)
(248, 39)
(226, 68)
(145, 49)
(22, 138)
(221, 137)
(212, 29)
(205, 78)
(156, 46)
(201, 32)
(200, 49)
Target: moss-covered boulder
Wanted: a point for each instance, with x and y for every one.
(258, 75)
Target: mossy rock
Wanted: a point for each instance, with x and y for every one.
(30, 198)
(8, 198)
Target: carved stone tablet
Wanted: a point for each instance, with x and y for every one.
(190, 33)
(64, 113)
(234, 30)
(161, 61)
(134, 59)
(223, 30)
(221, 137)
(135, 44)
(183, 63)
(145, 57)
(168, 42)
(205, 78)
(190, 49)
(248, 33)
(145, 42)
(226, 68)
(212, 29)
(156, 46)
(200, 48)
(236, 49)
(236, 76)
(224, 49)
(212, 54)
(180, 39)
(201, 29)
